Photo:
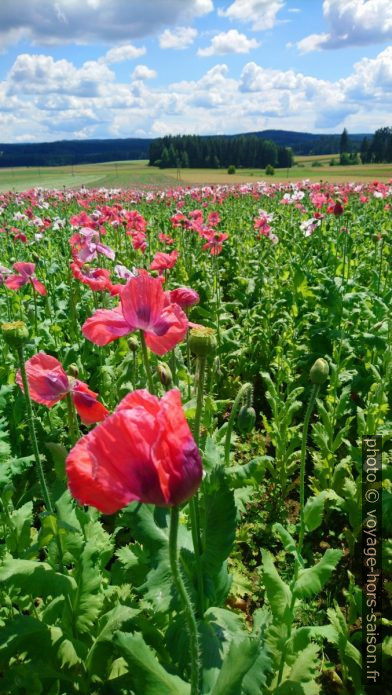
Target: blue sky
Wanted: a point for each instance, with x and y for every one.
(125, 68)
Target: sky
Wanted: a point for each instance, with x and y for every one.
(77, 69)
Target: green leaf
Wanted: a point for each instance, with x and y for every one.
(220, 522)
(306, 665)
(36, 579)
(88, 598)
(21, 520)
(311, 580)
(278, 592)
(147, 675)
(238, 661)
(314, 509)
(99, 657)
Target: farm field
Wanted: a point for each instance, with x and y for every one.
(188, 372)
(138, 173)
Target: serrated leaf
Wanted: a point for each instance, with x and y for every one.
(314, 509)
(88, 598)
(147, 675)
(311, 580)
(220, 523)
(278, 592)
(237, 663)
(36, 579)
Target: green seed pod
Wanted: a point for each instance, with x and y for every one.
(319, 372)
(202, 341)
(133, 343)
(246, 419)
(15, 333)
(164, 374)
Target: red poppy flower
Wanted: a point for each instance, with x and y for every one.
(95, 278)
(48, 384)
(142, 307)
(26, 274)
(215, 243)
(143, 452)
(184, 297)
(164, 261)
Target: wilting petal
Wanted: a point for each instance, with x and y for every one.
(174, 452)
(142, 301)
(85, 400)
(38, 286)
(47, 380)
(111, 466)
(169, 330)
(15, 282)
(106, 325)
(24, 268)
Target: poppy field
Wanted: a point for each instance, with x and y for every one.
(185, 382)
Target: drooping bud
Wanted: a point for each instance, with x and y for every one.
(202, 341)
(164, 374)
(246, 419)
(319, 372)
(15, 333)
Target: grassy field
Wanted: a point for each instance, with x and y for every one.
(138, 174)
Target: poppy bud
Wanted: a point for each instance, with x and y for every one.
(73, 370)
(133, 343)
(246, 419)
(164, 374)
(319, 372)
(15, 333)
(202, 341)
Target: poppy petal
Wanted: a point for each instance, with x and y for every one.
(47, 380)
(38, 286)
(168, 331)
(142, 301)
(15, 282)
(89, 409)
(106, 325)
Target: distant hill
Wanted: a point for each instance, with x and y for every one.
(310, 143)
(93, 151)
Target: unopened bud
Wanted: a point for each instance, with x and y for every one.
(319, 372)
(133, 343)
(73, 370)
(246, 419)
(164, 374)
(202, 341)
(15, 333)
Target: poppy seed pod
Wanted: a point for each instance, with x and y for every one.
(15, 333)
(319, 372)
(202, 341)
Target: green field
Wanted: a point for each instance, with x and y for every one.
(139, 174)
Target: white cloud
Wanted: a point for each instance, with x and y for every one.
(143, 72)
(260, 13)
(119, 54)
(179, 39)
(41, 74)
(352, 23)
(229, 42)
(87, 21)
(46, 99)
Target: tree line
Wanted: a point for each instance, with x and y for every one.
(194, 151)
(375, 149)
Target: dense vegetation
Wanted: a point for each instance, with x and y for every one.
(218, 151)
(205, 535)
(379, 148)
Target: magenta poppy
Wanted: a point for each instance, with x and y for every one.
(164, 261)
(49, 384)
(26, 275)
(142, 308)
(143, 452)
(184, 296)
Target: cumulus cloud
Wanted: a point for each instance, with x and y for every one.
(228, 42)
(143, 72)
(352, 23)
(179, 39)
(261, 14)
(41, 74)
(46, 99)
(119, 54)
(45, 21)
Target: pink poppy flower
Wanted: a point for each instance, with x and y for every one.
(144, 451)
(164, 261)
(215, 243)
(184, 296)
(143, 307)
(97, 279)
(26, 275)
(49, 384)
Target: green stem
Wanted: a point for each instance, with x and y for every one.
(30, 420)
(194, 502)
(146, 362)
(308, 414)
(245, 391)
(187, 605)
(72, 422)
(201, 361)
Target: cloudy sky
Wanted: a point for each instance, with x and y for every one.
(144, 68)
